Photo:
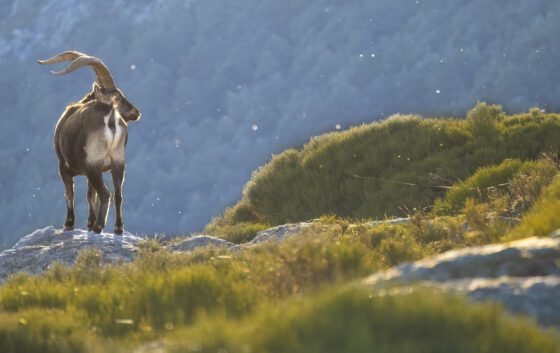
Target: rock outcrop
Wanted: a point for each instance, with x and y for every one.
(523, 275)
(279, 232)
(198, 241)
(37, 251)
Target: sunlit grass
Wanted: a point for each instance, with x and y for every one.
(544, 217)
(237, 233)
(508, 185)
(353, 320)
(161, 289)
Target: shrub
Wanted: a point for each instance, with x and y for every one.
(373, 170)
(484, 118)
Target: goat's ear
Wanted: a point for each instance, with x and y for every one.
(101, 96)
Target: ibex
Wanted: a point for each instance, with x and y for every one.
(90, 138)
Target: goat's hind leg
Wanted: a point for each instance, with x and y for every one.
(68, 180)
(96, 180)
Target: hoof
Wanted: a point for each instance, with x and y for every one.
(68, 228)
(96, 229)
(118, 231)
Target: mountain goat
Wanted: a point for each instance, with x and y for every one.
(90, 138)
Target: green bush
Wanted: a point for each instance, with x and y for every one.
(483, 120)
(375, 170)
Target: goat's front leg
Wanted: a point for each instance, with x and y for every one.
(117, 173)
(93, 206)
(68, 180)
(95, 178)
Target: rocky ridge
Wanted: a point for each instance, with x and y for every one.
(39, 250)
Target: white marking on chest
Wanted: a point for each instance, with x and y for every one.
(107, 145)
(112, 135)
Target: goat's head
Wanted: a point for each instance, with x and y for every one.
(117, 100)
(105, 90)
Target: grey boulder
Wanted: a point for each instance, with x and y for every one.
(523, 275)
(37, 251)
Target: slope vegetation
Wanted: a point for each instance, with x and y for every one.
(384, 169)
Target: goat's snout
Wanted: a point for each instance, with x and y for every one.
(132, 115)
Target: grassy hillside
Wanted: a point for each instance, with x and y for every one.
(488, 178)
(376, 170)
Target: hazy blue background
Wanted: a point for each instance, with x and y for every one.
(224, 84)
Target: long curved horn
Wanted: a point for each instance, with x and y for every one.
(66, 56)
(80, 60)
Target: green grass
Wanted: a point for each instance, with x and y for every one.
(109, 295)
(356, 321)
(341, 320)
(514, 182)
(143, 300)
(160, 292)
(543, 218)
(237, 233)
(40, 330)
(367, 171)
